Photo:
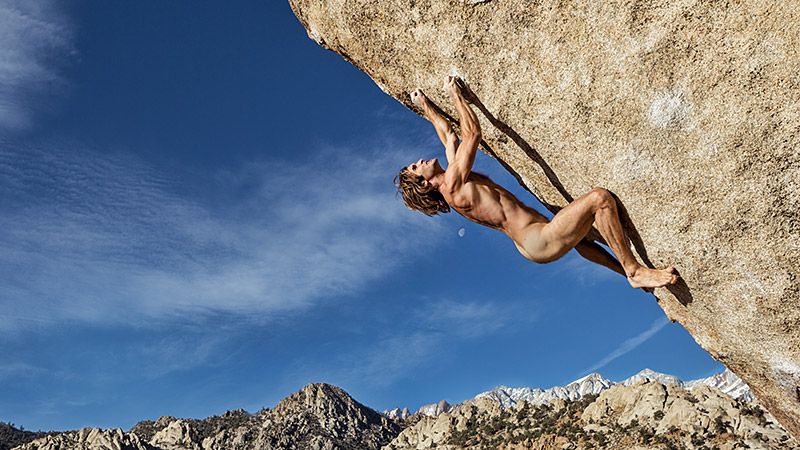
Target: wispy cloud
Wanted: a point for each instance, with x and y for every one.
(105, 238)
(18, 369)
(629, 344)
(34, 37)
(426, 334)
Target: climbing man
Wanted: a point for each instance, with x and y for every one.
(430, 189)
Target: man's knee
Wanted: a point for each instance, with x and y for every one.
(602, 198)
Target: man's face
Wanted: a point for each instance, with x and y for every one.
(425, 168)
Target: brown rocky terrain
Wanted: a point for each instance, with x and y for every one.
(11, 436)
(318, 417)
(647, 415)
(688, 111)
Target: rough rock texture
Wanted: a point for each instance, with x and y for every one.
(318, 417)
(11, 436)
(325, 416)
(686, 110)
(178, 435)
(89, 439)
(646, 415)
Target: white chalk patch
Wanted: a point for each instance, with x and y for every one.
(669, 109)
(651, 40)
(313, 33)
(461, 232)
(786, 371)
(632, 164)
(454, 72)
(381, 86)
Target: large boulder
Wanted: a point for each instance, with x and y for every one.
(686, 110)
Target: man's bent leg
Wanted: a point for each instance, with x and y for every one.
(598, 255)
(572, 223)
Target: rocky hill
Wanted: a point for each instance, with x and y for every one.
(591, 412)
(644, 415)
(11, 436)
(687, 111)
(318, 417)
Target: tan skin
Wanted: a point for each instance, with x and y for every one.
(481, 200)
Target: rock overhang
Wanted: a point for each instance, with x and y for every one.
(687, 111)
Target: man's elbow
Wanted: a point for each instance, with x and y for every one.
(473, 134)
(452, 137)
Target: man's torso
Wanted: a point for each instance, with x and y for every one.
(483, 201)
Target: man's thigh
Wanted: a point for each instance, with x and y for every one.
(570, 225)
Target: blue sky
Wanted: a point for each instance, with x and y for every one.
(197, 215)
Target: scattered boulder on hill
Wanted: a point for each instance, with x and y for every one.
(89, 439)
(11, 436)
(321, 416)
(318, 417)
(645, 415)
(688, 111)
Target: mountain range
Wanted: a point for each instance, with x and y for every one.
(727, 382)
(647, 411)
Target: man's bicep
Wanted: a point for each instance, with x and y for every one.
(465, 154)
(456, 175)
(450, 146)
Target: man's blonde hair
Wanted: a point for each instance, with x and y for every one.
(416, 197)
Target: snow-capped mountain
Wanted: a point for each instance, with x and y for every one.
(648, 374)
(726, 382)
(397, 413)
(594, 383)
(508, 397)
(434, 409)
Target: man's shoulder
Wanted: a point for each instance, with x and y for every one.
(458, 196)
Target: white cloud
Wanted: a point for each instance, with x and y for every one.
(425, 336)
(629, 344)
(18, 370)
(467, 319)
(34, 36)
(104, 238)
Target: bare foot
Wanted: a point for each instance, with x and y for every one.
(419, 98)
(653, 278)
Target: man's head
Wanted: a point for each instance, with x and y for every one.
(419, 194)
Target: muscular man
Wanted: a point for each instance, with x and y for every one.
(430, 189)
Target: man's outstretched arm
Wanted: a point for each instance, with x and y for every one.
(459, 170)
(443, 128)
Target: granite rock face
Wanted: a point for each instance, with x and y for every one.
(687, 111)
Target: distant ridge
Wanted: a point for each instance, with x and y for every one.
(727, 382)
